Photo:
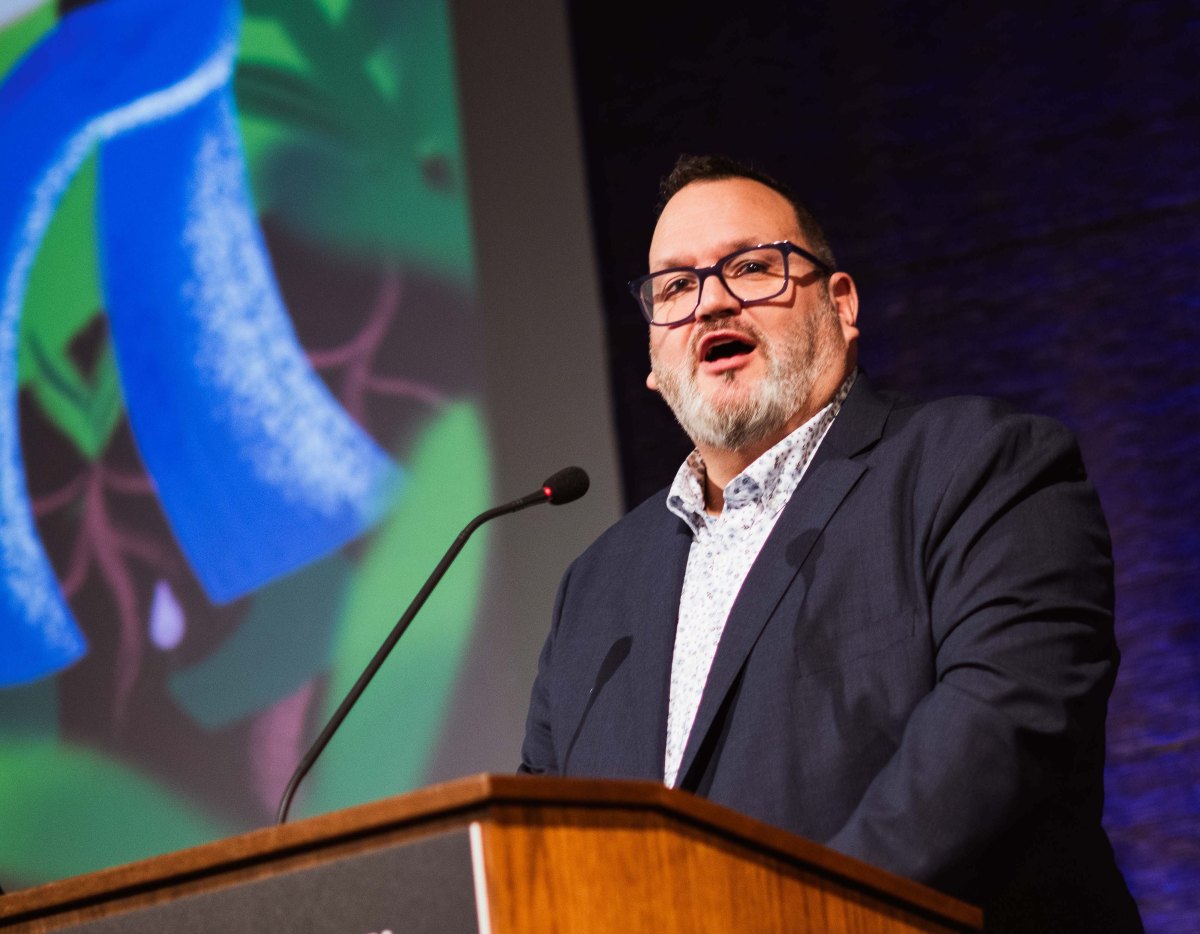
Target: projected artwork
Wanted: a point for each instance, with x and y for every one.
(238, 365)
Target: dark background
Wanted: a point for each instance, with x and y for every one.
(1016, 191)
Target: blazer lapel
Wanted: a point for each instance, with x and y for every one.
(830, 477)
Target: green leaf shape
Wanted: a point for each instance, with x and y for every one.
(18, 37)
(271, 74)
(283, 643)
(335, 9)
(351, 129)
(384, 745)
(68, 810)
(62, 299)
(292, 99)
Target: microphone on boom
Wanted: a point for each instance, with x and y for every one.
(565, 486)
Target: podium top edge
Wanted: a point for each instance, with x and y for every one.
(461, 801)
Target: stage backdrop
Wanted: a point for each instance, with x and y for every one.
(257, 356)
(1016, 188)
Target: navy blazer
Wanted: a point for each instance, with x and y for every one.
(915, 671)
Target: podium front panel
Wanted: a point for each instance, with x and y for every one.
(422, 887)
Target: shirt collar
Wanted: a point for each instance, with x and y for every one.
(767, 482)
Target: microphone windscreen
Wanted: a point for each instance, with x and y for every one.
(566, 486)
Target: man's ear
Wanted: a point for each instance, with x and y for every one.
(844, 296)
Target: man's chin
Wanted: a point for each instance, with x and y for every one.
(729, 392)
(734, 426)
(724, 411)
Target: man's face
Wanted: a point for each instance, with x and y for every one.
(743, 376)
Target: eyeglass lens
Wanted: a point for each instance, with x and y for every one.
(749, 275)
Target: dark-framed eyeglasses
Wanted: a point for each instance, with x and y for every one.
(670, 297)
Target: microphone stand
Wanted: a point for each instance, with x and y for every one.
(569, 479)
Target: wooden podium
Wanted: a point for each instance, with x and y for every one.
(498, 854)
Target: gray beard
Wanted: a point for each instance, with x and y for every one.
(731, 424)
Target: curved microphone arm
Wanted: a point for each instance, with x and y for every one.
(565, 486)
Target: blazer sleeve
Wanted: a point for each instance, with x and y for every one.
(1018, 572)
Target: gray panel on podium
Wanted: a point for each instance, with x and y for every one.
(418, 887)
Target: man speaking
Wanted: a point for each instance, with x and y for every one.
(883, 625)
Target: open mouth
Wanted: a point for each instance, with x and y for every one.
(727, 349)
(724, 348)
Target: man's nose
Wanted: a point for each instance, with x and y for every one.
(716, 299)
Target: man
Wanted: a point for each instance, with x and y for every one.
(882, 625)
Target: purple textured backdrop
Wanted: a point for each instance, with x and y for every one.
(1017, 192)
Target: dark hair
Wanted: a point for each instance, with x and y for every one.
(690, 169)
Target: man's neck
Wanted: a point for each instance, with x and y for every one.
(721, 465)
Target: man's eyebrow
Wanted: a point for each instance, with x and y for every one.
(732, 246)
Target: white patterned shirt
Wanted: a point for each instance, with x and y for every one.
(723, 549)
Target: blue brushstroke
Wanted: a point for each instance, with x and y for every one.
(258, 469)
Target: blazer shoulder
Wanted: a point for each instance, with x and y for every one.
(890, 422)
(640, 528)
(951, 412)
(926, 443)
(962, 420)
